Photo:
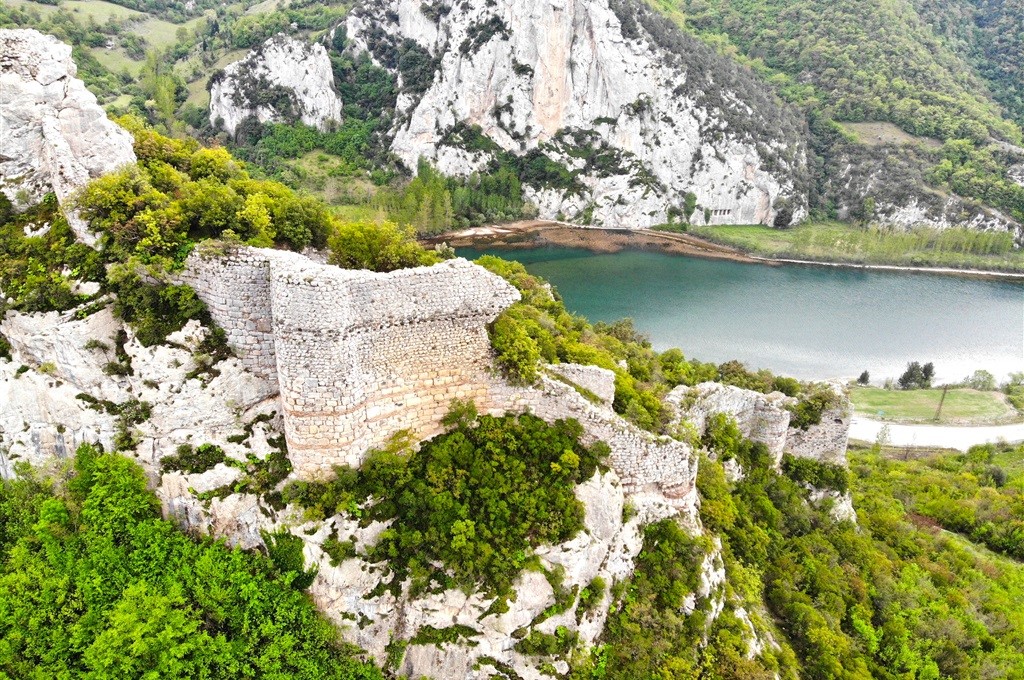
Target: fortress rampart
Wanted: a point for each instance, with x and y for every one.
(358, 356)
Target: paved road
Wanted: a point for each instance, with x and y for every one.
(947, 436)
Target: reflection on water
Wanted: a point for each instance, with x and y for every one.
(809, 322)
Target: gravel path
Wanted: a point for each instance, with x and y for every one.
(960, 437)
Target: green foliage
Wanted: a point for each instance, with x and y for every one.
(381, 247)
(338, 551)
(193, 460)
(94, 584)
(816, 473)
(179, 193)
(808, 410)
(591, 596)
(32, 268)
(154, 311)
(646, 634)
(285, 550)
(432, 203)
(428, 635)
(475, 500)
(560, 643)
(884, 61)
(916, 376)
(971, 494)
(517, 352)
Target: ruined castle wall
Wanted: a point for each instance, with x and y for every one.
(236, 290)
(643, 461)
(826, 441)
(358, 355)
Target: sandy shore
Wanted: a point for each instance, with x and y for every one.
(538, 233)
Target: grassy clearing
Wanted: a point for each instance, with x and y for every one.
(100, 11)
(961, 406)
(877, 134)
(840, 242)
(116, 60)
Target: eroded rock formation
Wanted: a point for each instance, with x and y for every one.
(54, 137)
(282, 80)
(644, 114)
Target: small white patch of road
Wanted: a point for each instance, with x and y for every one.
(960, 437)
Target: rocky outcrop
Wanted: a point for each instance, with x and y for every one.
(892, 179)
(282, 80)
(641, 114)
(55, 137)
(765, 418)
(760, 417)
(66, 383)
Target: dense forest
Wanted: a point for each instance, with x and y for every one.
(886, 61)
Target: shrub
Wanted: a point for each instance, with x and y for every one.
(816, 473)
(475, 500)
(380, 247)
(193, 460)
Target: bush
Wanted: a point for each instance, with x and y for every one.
(475, 500)
(193, 460)
(380, 247)
(816, 473)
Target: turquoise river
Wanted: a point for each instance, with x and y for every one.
(806, 321)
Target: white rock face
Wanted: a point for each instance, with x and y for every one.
(607, 548)
(43, 415)
(572, 78)
(281, 80)
(760, 417)
(53, 134)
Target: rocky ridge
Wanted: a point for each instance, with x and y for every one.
(282, 80)
(55, 137)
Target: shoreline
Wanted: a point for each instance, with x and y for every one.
(539, 233)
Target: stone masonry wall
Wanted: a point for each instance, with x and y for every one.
(236, 289)
(360, 356)
(826, 441)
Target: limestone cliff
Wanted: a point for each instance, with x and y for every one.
(282, 80)
(641, 114)
(54, 137)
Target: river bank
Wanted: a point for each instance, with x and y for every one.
(540, 233)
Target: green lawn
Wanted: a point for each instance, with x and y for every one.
(961, 405)
(843, 242)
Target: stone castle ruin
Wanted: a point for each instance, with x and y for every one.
(358, 356)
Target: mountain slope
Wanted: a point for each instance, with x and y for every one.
(641, 114)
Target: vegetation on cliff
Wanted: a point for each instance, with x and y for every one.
(883, 61)
(476, 500)
(94, 584)
(891, 598)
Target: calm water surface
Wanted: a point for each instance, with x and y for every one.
(808, 322)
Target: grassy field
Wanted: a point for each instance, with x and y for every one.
(961, 406)
(839, 242)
